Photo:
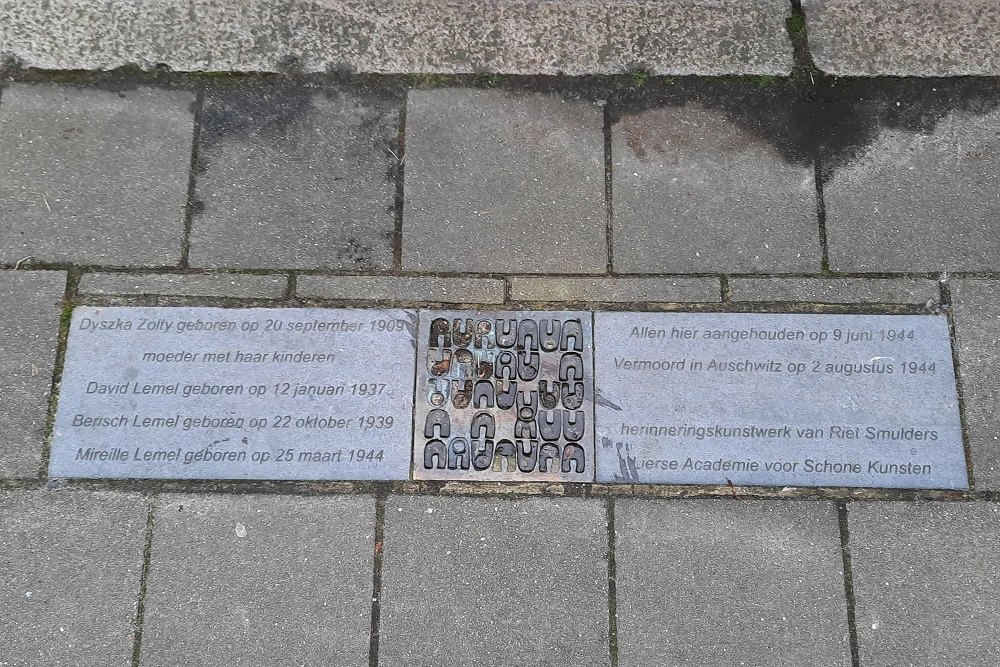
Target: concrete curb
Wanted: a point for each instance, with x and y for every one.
(908, 38)
(574, 37)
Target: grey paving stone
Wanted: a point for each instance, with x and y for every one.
(93, 176)
(717, 583)
(611, 290)
(887, 37)
(517, 37)
(503, 182)
(401, 288)
(259, 580)
(70, 565)
(977, 316)
(296, 177)
(925, 200)
(694, 192)
(494, 582)
(926, 583)
(29, 329)
(837, 290)
(206, 284)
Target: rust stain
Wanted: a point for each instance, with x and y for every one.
(633, 138)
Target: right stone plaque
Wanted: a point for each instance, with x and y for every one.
(777, 399)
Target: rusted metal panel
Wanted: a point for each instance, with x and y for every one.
(504, 396)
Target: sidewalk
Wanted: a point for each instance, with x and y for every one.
(747, 194)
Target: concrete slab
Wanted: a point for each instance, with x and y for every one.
(913, 291)
(718, 583)
(401, 289)
(615, 290)
(29, 330)
(926, 582)
(259, 579)
(70, 565)
(296, 177)
(511, 36)
(885, 37)
(919, 200)
(231, 285)
(977, 315)
(694, 193)
(503, 182)
(494, 582)
(93, 176)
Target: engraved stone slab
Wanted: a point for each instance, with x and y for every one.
(214, 393)
(504, 396)
(762, 399)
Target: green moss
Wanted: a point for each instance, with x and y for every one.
(490, 80)
(796, 24)
(640, 78)
(805, 72)
(65, 315)
(763, 80)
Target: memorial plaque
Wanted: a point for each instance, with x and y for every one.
(759, 399)
(214, 393)
(504, 396)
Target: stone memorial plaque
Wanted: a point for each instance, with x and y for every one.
(219, 393)
(770, 399)
(504, 396)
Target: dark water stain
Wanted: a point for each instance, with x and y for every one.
(245, 113)
(853, 117)
(277, 112)
(119, 80)
(831, 121)
(807, 117)
(246, 108)
(357, 253)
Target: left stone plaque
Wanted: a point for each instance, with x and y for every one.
(216, 393)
